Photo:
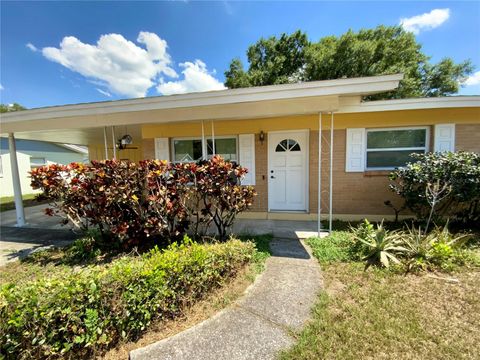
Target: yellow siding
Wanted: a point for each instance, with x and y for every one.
(97, 152)
(342, 121)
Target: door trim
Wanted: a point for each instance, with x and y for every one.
(307, 168)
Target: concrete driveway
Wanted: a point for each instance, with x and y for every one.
(41, 232)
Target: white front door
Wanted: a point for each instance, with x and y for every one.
(287, 170)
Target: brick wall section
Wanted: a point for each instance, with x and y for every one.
(148, 146)
(353, 193)
(467, 137)
(358, 193)
(261, 174)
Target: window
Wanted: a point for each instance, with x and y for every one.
(1, 166)
(391, 148)
(287, 145)
(190, 150)
(37, 162)
(187, 150)
(225, 147)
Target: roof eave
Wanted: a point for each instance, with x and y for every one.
(340, 87)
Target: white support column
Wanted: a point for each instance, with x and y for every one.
(114, 143)
(106, 142)
(17, 189)
(213, 139)
(204, 144)
(319, 201)
(330, 215)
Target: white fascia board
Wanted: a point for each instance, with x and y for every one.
(413, 104)
(77, 148)
(340, 87)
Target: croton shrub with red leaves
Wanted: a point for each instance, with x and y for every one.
(134, 202)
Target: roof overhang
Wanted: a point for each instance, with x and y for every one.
(413, 104)
(79, 124)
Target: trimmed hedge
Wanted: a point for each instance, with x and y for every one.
(81, 314)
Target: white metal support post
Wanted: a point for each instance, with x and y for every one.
(213, 139)
(114, 144)
(319, 200)
(17, 189)
(105, 141)
(204, 144)
(330, 215)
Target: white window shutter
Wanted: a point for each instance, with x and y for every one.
(246, 149)
(162, 152)
(355, 152)
(444, 137)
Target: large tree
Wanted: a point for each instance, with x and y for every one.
(383, 50)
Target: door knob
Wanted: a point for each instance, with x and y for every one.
(272, 177)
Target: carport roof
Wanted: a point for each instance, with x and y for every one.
(81, 123)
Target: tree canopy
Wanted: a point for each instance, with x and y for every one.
(11, 107)
(368, 52)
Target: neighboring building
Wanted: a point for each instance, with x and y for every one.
(31, 154)
(274, 132)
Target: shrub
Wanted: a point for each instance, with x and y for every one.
(217, 185)
(437, 249)
(459, 171)
(380, 246)
(409, 250)
(155, 200)
(80, 314)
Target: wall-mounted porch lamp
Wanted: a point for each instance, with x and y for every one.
(261, 136)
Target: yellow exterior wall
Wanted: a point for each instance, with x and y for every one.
(97, 152)
(355, 194)
(341, 121)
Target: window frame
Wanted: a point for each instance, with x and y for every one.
(424, 148)
(204, 144)
(34, 166)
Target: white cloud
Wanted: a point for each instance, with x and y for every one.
(31, 47)
(119, 64)
(473, 80)
(425, 21)
(1, 87)
(196, 78)
(103, 92)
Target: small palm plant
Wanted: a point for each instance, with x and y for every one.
(381, 247)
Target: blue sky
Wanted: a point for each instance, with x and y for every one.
(174, 47)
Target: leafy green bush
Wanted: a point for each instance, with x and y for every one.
(80, 314)
(460, 171)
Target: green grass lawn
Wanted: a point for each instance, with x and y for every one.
(7, 202)
(389, 315)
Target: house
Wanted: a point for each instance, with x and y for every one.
(30, 154)
(274, 132)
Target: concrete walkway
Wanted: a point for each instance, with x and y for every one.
(259, 325)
